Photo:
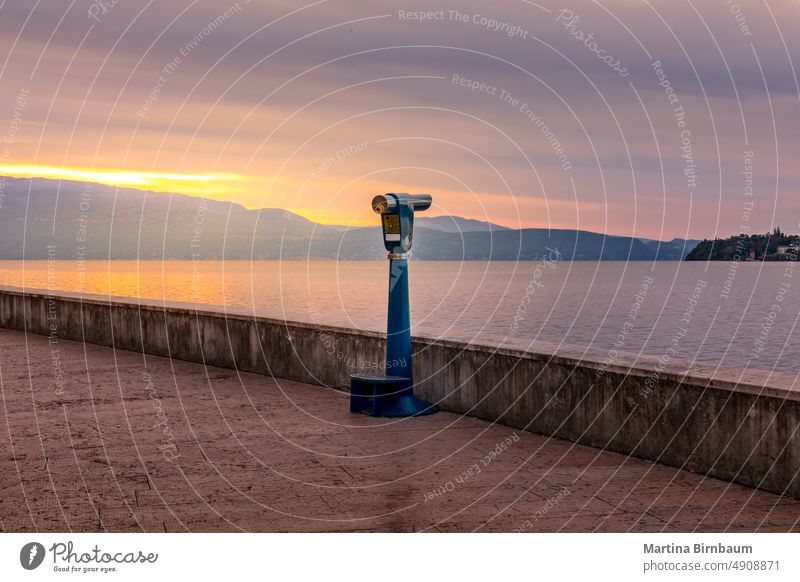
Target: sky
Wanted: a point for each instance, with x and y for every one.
(645, 118)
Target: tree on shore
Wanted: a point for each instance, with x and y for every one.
(739, 247)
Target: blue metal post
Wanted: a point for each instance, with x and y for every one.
(392, 393)
(398, 328)
(398, 345)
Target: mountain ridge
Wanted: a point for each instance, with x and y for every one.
(67, 220)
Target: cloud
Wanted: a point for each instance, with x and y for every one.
(269, 90)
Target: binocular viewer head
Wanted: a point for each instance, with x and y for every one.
(391, 203)
(397, 219)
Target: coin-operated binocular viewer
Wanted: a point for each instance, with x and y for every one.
(392, 394)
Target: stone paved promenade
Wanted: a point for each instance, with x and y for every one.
(98, 439)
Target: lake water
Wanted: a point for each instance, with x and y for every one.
(742, 314)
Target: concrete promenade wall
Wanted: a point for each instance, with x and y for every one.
(735, 425)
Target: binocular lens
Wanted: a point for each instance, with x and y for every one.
(382, 204)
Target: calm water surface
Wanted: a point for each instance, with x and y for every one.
(740, 315)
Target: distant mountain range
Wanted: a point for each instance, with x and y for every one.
(65, 220)
(456, 224)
